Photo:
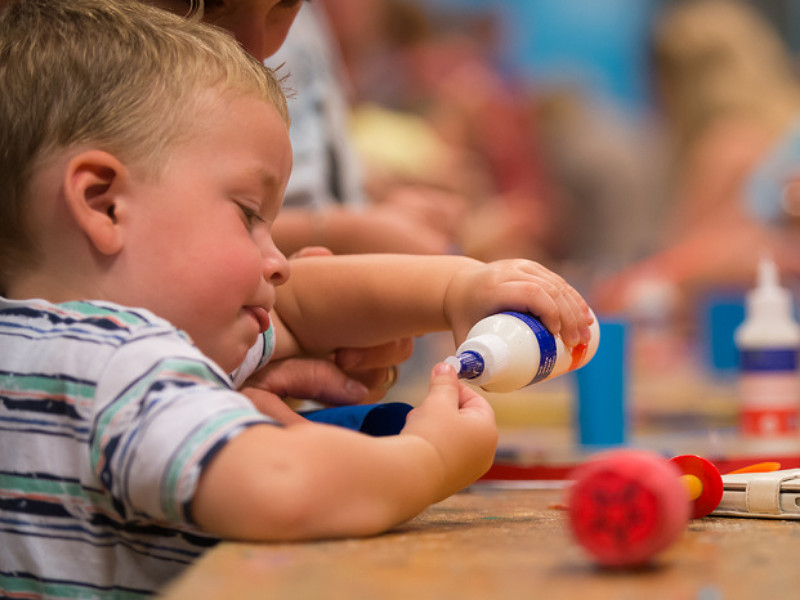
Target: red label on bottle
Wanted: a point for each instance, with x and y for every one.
(768, 422)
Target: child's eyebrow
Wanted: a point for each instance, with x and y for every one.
(264, 179)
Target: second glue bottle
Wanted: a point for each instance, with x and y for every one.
(510, 350)
(768, 341)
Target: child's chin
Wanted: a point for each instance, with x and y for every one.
(233, 359)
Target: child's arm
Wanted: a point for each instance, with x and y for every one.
(358, 300)
(308, 481)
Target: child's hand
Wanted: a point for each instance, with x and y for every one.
(459, 424)
(479, 290)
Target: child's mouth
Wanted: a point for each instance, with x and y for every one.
(261, 315)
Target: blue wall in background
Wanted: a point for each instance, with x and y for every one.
(601, 45)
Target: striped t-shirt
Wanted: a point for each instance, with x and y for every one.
(108, 416)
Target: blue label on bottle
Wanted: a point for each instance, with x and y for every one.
(472, 365)
(768, 359)
(547, 345)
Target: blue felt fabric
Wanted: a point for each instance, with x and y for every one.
(373, 419)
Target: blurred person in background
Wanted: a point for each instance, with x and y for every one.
(422, 80)
(327, 201)
(728, 93)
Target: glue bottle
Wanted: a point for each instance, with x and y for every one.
(768, 342)
(510, 350)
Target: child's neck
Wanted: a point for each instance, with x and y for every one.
(47, 287)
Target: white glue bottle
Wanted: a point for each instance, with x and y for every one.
(510, 350)
(768, 342)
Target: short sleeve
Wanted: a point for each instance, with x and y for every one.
(159, 423)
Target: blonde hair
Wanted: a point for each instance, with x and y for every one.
(122, 76)
(720, 58)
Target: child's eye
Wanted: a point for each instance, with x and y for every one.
(251, 217)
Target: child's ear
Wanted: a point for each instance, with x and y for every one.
(93, 186)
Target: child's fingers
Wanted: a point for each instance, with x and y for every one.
(470, 401)
(449, 392)
(576, 318)
(565, 312)
(560, 308)
(442, 400)
(444, 382)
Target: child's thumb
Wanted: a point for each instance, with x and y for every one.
(444, 381)
(444, 373)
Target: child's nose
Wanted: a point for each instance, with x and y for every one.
(276, 267)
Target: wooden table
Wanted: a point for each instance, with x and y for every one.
(493, 543)
(489, 543)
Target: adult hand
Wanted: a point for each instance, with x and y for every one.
(374, 367)
(429, 208)
(377, 229)
(351, 376)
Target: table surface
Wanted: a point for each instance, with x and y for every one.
(493, 543)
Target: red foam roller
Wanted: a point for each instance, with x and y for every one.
(710, 479)
(626, 506)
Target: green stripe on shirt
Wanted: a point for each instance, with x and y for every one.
(19, 587)
(189, 454)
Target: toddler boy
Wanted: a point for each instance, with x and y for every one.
(143, 160)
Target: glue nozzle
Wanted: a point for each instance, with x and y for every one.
(455, 363)
(767, 273)
(768, 299)
(468, 364)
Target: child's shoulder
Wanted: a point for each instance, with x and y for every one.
(86, 319)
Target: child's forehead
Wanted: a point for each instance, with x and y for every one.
(226, 95)
(244, 125)
(220, 137)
